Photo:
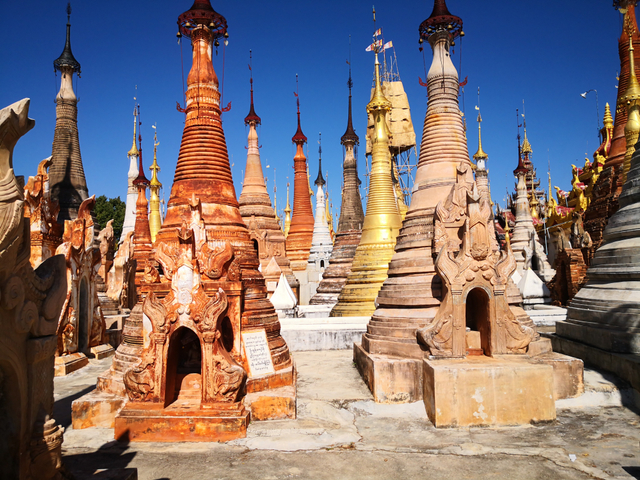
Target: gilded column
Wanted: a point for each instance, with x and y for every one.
(381, 222)
(155, 218)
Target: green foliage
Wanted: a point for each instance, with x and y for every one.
(110, 209)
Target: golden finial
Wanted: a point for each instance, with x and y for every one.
(378, 101)
(608, 119)
(134, 149)
(526, 146)
(287, 214)
(154, 166)
(633, 90)
(507, 230)
(479, 155)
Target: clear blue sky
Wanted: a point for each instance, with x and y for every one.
(545, 53)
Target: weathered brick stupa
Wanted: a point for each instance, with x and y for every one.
(141, 231)
(212, 343)
(411, 295)
(300, 231)
(381, 223)
(132, 193)
(31, 440)
(350, 223)
(604, 313)
(604, 200)
(155, 217)
(321, 243)
(66, 174)
(256, 209)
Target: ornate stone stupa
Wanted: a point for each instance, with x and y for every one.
(132, 193)
(411, 295)
(300, 231)
(256, 209)
(350, 223)
(212, 346)
(321, 243)
(381, 223)
(141, 231)
(526, 246)
(66, 174)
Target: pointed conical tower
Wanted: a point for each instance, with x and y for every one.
(204, 293)
(141, 231)
(132, 194)
(350, 222)
(155, 218)
(381, 223)
(482, 178)
(301, 229)
(66, 174)
(256, 209)
(410, 297)
(321, 243)
(287, 215)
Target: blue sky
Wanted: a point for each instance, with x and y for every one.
(546, 54)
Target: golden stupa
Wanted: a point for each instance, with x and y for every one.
(382, 221)
(155, 219)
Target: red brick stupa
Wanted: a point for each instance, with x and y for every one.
(212, 346)
(301, 230)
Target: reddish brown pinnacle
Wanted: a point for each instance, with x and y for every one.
(619, 145)
(301, 231)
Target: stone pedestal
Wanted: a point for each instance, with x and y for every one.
(487, 391)
(143, 423)
(390, 379)
(97, 409)
(70, 363)
(102, 351)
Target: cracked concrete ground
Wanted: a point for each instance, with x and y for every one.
(341, 433)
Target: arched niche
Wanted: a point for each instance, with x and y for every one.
(183, 369)
(478, 321)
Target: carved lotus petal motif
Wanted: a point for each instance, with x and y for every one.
(487, 275)
(470, 276)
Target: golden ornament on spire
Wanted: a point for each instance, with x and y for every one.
(155, 218)
(287, 215)
(480, 155)
(134, 148)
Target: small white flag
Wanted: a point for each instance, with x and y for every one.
(377, 33)
(388, 45)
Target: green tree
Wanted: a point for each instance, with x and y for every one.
(110, 209)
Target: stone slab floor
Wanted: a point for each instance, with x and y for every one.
(340, 433)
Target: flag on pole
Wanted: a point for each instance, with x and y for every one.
(377, 33)
(388, 45)
(377, 43)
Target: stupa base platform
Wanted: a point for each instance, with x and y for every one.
(144, 422)
(328, 333)
(96, 409)
(67, 364)
(625, 366)
(546, 315)
(315, 311)
(390, 379)
(488, 391)
(610, 339)
(101, 351)
(275, 404)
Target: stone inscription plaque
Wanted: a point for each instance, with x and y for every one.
(258, 354)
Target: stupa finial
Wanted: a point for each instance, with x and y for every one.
(66, 59)
(252, 117)
(319, 180)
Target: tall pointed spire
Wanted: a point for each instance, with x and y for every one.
(256, 209)
(301, 230)
(350, 223)
(132, 192)
(632, 99)
(381, 223)
(319, 179)
(287, 215)
(155, 218)
(68, 182)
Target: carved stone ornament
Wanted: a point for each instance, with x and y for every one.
(187, 306)
(475, 283)
(30, 303)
